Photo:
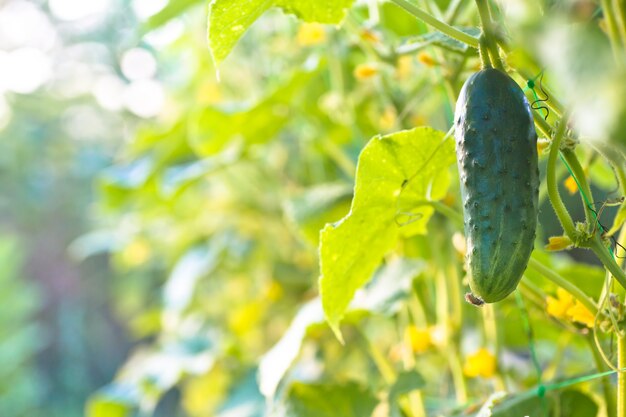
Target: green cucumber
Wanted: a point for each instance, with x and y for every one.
(496, 149)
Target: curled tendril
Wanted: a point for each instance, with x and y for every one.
(537, 104)
(603, 229)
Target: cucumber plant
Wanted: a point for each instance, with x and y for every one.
(340, 146)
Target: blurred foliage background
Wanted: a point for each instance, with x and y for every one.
(161, 218)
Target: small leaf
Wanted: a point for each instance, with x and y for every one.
(213, 129)
(194, 264)
(115, 400)
(577, 404)
(406, 382)
(173, 9)
(275, 363)
(230, 19)
(397, 175)
(329, 400)
(316, 206)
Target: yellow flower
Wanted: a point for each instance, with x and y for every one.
(388, 118)
(418, 120)
(365, 71)
(311, 34)
(542, 145)
(580, 314)
(418, 338)
(481, 363)
(426, 59)
(556, 243)
(558, 307)
(369, 36)
(570, 184)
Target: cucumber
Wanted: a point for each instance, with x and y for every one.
(496, 149)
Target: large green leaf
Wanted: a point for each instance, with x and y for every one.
(391, 283)
(212, 129)
(397, 175)
(230, 19)
(329, 400)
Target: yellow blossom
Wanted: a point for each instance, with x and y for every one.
(419, 120)
(418, 338)
(369, 36)
(311, 34)
(570, 184)
(581, 314)
(449, 200)
(480, 363)
(365, 71)
(388, 118)
(556, 243)
(558, 307)
(542, 145)
(426, 59)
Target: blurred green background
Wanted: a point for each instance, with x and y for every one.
(160, 225)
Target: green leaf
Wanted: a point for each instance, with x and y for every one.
(173, 9)
(574, 403)
(115, 400)
(406, 382)
(277, 361)
(329, 400)
(193, 265)
(397, 175)
(213, 129)
(311, 209)
(230, 19)
(391, 284)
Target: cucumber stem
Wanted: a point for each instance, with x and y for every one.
(483, 51)
(613, 33)
(607, 387)
(489, 33)
(553, 188)
(621, 376)
(579, 173)
(436, 23)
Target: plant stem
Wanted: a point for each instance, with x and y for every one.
(565, 284)
(450, 213)
(543, 126)
(579, 173)
(597, 245)
(484, 53)
(607, 387)
(489, 33)
(553, 188)
(612, 30)
(621, 377)
(620, 19)
(436, 23)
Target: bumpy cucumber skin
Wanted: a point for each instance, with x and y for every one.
(496, 148)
